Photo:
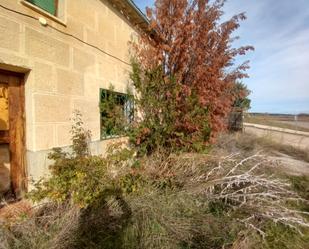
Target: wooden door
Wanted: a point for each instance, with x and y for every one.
(12, 131)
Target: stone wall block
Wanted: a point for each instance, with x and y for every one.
(107, 68)
(75, 27)
(63, 136)
(9, 34)
(83, 10)
(44, 77)
(46, 47)
(51, 108)
(108, 26)
(92, 87)
(70, 83)
(83, 62)
(89, 109)
(44, 137)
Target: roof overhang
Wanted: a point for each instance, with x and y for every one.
(130, 10)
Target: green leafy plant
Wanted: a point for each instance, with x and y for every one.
(241, 93)
(78, 176)
(159, 124)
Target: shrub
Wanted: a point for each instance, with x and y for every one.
(77, 175)
(160, 124)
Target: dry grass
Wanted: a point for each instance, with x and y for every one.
(48, 226)
(12, 211)
(224, 199)
(248, 143)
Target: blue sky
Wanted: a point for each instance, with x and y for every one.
(279, 31)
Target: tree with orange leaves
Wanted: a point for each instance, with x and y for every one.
(184, 74)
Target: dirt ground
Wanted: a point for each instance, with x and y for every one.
(290, 165)
(286, 159)
(283, 157)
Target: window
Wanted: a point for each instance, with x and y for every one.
(117, 113)
(50, 6)
(53, 9)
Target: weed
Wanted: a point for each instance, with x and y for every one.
(284, 237)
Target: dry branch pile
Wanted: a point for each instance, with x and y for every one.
(243, 183)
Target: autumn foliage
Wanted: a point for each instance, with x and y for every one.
(184, 73)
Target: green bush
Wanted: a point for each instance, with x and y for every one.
(164, 122)
(78, 176)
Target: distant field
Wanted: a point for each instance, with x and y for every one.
(282, 121)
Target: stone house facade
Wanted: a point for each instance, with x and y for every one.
(59, 53)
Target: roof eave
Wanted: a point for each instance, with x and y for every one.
(131, 11)
(138, 10)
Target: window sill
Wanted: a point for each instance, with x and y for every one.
(43, 12)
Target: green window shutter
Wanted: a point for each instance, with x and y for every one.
(47, 5)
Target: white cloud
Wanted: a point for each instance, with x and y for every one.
(279, 31)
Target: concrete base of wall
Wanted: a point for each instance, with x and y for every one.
(38, 162)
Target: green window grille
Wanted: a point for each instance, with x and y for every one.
(48, 5)
(116, 113)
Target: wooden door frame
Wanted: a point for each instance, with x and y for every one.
(17, 145)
